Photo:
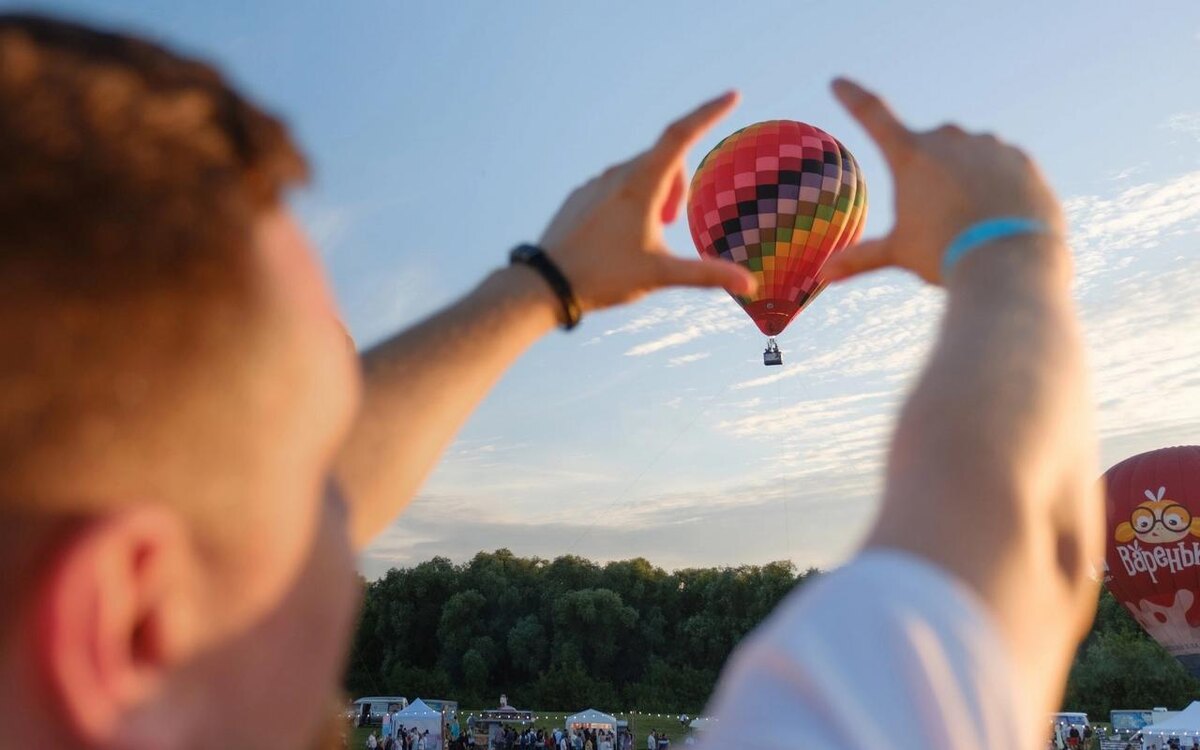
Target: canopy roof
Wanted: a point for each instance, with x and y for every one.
(418, 710)
(1186, 721)
(592, 716)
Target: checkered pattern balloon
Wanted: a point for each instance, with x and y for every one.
(778, 198)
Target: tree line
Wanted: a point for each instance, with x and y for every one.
(569, 633)
(559, 634)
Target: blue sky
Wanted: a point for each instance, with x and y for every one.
(444, 133)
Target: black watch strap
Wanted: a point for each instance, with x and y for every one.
(537, 259)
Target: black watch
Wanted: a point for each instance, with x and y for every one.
(537, 259)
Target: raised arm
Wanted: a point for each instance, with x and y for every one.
(992, 468)
(421, 385)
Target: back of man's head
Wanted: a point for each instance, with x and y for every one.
(133, 179)
(165, 393)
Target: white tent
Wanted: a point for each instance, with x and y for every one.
(592, 719)
(420, 715)
(1186, 723)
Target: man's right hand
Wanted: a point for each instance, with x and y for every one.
(945, 180)
(608, 235)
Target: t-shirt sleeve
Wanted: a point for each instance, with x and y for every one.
(888, 651)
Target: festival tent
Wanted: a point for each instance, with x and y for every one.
(420, 715)
(592, 719)
(1186, 723)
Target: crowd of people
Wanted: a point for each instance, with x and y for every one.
(394, 736)
(532, 738)
(1071, 737)
(1173, 743)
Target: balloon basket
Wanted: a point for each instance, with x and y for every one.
(772, 356)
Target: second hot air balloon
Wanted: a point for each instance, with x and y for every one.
(778, 198)
(1153, 559)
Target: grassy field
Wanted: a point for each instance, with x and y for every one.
(640, 723)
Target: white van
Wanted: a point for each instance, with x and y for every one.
(370, 710)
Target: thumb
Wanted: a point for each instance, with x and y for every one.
(733, 278)
(860, 258)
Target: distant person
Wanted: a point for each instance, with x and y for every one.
(652, 740)
(372, 743)
(167, 334)
(386, 728)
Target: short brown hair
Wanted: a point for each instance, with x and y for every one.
(130, 182)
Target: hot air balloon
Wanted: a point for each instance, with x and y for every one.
(1153, 557)
(778, 198)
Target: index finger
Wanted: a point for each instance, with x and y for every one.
(660, 161)
(877, 119)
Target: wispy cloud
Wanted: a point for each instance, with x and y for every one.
(874, 329)
(665, 342)
(687, 359)
(1110, 233)
(1136, 217)
(757, 523)
(1187, 123)
(1121, 175)
(1145, 351)
(689, 321)
(786, 372)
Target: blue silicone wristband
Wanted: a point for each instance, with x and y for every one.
(983, 232)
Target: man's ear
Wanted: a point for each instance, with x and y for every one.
(112, 617)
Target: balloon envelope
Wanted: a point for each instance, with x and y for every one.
(778, 198)
(1153, 558)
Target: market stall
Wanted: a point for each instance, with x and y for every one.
(488, 726)
(591, 719)
(602, 725)
(420, 716)
(1185, 723)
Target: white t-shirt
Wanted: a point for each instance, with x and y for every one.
(887, 652)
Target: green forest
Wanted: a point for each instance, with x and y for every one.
(569, 633)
